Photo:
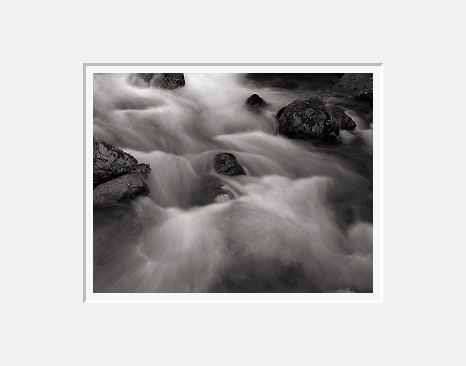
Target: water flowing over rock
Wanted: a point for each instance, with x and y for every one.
(117, 174)
(255, 101)
(344, 121)
(226, 163)
(358, 85)
(233, 207)
(164, 81)
(307, 119)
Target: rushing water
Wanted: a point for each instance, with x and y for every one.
(300, 220)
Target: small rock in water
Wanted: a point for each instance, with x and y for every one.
(164, 81)
(255, 101)
(344, 121)
(226, 163)
(307, 119)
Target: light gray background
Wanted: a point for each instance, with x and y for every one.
(43, 320)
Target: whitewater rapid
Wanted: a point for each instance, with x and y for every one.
(300, 220)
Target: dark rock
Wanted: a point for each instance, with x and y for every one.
(227, 164)
(110, 162)
(141, 169)
(308, 119)
(255, 101)
(169, 81)
(164, 81)
(117, 174)
(358, 85)
(120, 189)
(341, 118)
(212, 188)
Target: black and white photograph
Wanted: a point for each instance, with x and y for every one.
(233, 182)
(250, 183)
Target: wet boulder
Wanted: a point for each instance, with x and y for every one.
(308, 119)
(110, 162)
(120, 189)
(255, 101)
(344, 121)
(163, 81)
(226, 163)
(117, 174)
(355, 85)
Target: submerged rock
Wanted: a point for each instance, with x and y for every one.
(226, 163)
(344, 121)
(357, 85)
(119, 189)
(307, 119)
(110, 162)
(214, 189)
(164, 81)
(255, 101)
(117, 174)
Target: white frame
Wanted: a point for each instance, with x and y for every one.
(90, 297)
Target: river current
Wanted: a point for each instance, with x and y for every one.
(299, 221)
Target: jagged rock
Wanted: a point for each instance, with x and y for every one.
(110, 162)
(119, 189)
(344, 121)
(226, 163)
(117, 174)
(357, 85)
(255, 101)
(164, 81)
(307, 119)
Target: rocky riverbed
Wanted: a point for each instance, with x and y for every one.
(198, 172)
